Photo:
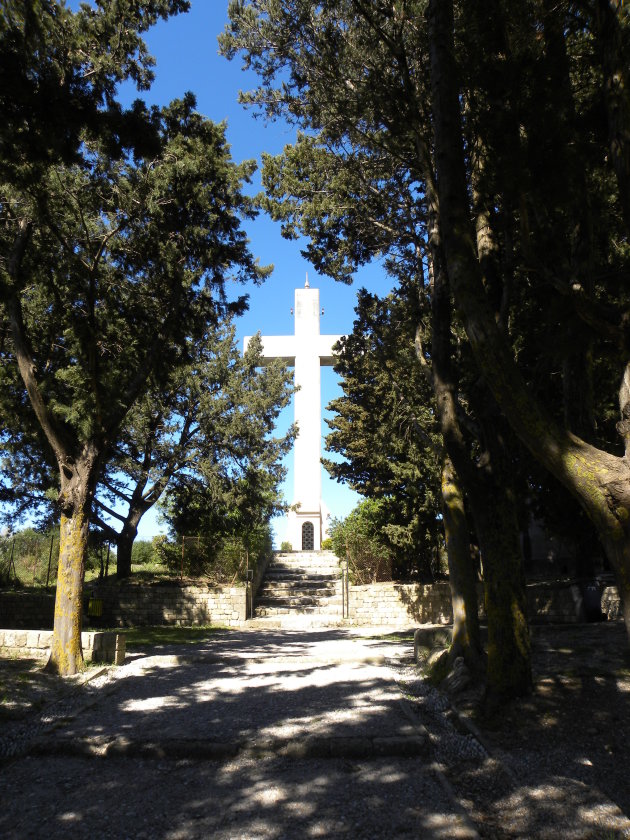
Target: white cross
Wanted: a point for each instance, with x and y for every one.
(307, 350)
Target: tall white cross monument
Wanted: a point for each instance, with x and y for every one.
(307, 351)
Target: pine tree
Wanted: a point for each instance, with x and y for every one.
(118, 237)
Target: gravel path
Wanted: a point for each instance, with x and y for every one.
(275, 735)
(281, 734)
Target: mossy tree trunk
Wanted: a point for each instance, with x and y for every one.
(509, 665)
(600, 481)
(466, 639)
(78, 481)
(494, 512)
(66, 655)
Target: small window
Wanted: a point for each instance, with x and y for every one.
(308, 536)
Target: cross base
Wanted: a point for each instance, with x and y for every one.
(307, 529)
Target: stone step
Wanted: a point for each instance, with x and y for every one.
(303, 587)
(301, 558)
(278, 576)
(329, 571)
(320, 594)
(300, 584)
(306, 610)
(295, 601)
(296, 622)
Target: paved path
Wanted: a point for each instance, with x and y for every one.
(282, 734)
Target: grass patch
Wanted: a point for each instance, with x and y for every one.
(148, 636)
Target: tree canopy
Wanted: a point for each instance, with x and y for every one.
(384, 427)
(116, 247)
(484, 151)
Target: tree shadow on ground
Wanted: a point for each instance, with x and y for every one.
(571, 735)
(243, 687)
(250, 690)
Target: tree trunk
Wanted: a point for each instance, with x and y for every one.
(494, 512)
(466, 640)
(124, 546)
(138, 506)
(509, 665)
(509, 650)
(125, 540)
(600, 482)
(66, 656)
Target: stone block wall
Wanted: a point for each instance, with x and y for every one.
(35, 644)
(129, 605)
(411, 603)
(561, 602)
(400, 603)
(27, 610)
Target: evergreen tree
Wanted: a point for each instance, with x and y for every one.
(384, 427)
(521, 111)
(118, 238)
(207, 434)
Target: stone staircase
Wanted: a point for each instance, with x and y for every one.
(300, 588)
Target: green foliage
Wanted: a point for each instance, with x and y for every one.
(231, 482)
(285, 545)
(359, 183)
(206, 433)
(26, 554)
(225, 560)
(143, 553)
(119, 230)
(385, 430)
(130, 226)
(359, 539)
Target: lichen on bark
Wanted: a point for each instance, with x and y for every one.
(66, 656)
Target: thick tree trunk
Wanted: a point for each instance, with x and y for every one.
(78, 478)
(66, 656)
(494, 512)
(124, 546)
(466, 640)
(125, 541)
(509, 666)
(138, 506)
(600, 482)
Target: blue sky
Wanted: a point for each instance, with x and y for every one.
(186, 52)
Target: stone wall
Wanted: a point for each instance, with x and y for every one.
(133, 605)
(35, 644)
(27, 610)
(400, 603)
(410, 603)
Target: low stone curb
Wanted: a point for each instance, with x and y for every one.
(199, 749)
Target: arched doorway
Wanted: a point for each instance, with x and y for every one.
(308, 536)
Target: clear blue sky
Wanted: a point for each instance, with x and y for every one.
(186, 52)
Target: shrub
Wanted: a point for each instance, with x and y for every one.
(143, 553)
(221, 560)
(286, 546)
(356, 538)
